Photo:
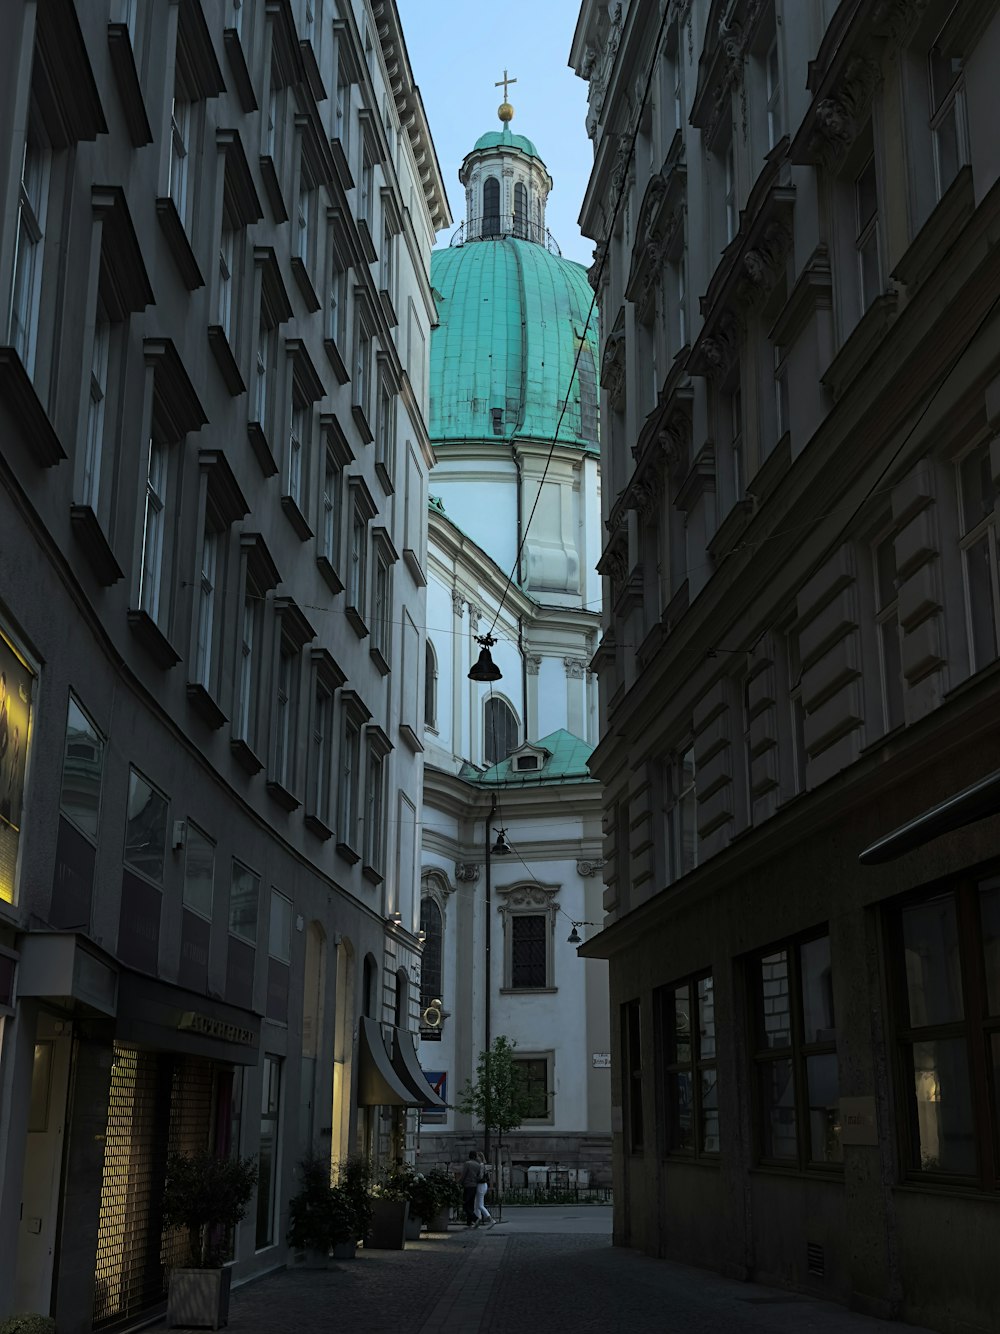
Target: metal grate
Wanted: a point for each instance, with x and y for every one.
(816, 1259)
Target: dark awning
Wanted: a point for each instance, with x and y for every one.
(407, 1067)
(378, 1083)
(973, 803)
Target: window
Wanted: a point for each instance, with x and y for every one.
(244, 897)
(772, 83)
(430, 685)
(680, 299)
(729, 190)
(528, 951)
(946, 950)
(866, 239)
(520, 210)
(297, 438)
(199, 871)
(151, 569)
(286, 701)
(323, 744)
(83, 763)
(781, 414)
(500, 730)
(145, 828)
(207, 592)
(797, 710)
(267, 1154)
(180, 148)
(887, 621)
(262, 367)
(227, 253)
(381, 608)
(387, 259)
(432, 927)
(385, 431)
(374, 807)
(356, 571)
(31, 219)
(491, 206)
(305, 217)
(795, 1055)
(685, 1039)
(279, 931)
(363, 368)
(948, 120)
(350, 777)
(337, 301)
(94, 447)
(978, 542)
(734, 403)
(366, 195)
(681, 816)
(534, 1082)
(246, 675)
(631, 1048)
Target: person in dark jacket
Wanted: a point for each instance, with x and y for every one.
(469, 1180)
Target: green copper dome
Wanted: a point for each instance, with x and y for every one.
(511, 317)
(504, 139)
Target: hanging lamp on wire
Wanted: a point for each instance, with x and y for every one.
(485, 669)
(501, 848)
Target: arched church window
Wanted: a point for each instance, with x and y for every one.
(499, 730)
(491, 206)
(430, 685)
(430, 964)
(520, 210)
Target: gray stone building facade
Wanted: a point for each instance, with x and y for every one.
(795, 207)
(213, 490)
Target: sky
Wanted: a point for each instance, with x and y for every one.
(458, 50)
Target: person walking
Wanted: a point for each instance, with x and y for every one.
(483, 1216)
(469, 1181)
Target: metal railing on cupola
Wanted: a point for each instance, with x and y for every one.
(494, 228)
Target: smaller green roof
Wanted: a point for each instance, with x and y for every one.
(567, 763)
(504, 139)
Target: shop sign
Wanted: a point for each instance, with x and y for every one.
(857, 1121)
(17, 682)
(193, 1022)
(438, 1080)
(602, 1060)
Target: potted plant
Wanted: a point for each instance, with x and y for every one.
(390, 1209)
(207, 1196)
(28, 1322)
(322, 1218)
(354, 1179)
(447, 1197)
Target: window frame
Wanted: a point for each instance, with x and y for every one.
(986, 528)
(866, 235)
(886, 625)
(547, 1060)
(670, 1066)
(102, 741)
(797, 1052)
(493, 757)
(951, 103)
(26, 281)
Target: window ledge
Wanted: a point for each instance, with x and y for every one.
(678, 1159)
(261, 447)
(528, 991)
(938, 234)
(129, 87)
(269, 175)
(329, 574)
(367, 244)
(205, 706)
(379, 659)
(341, 164)
(305, 283)
(730, 530)
(241, 74)
(279, 793)
(361, 421)
(88, 532)
(412, 562)
(245, 756)
(316, 826)
(348, 854)
(336, 361)
(225, 360)
(389, 309)
(296, 518)
(411, 738)
(152, 638)
(17, 391)
(858, 351)
(357, 622)
(371, 875)
(948, 1190)
(382, 473)
(180, 247)
(771, 471)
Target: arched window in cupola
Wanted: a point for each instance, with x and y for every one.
(520, 210)
(491, 206)
(500, 730)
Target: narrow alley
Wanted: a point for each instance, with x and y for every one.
(539, 1270)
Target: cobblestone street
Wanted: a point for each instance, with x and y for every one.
(539, 1270)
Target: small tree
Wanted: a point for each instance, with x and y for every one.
(207, 1196)
(498, 1097)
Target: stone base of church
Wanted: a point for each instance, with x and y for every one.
(585, 1159)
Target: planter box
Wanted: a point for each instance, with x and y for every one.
(388, 1229)
(345, 1250)
(440, 1221)
(413, 1227)
(198, 1298)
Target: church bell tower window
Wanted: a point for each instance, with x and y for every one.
(520, 210)
(491, 206)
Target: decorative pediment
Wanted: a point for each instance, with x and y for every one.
(528, 898)
(660, 217)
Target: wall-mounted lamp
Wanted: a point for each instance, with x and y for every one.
(574, 937)
(422, 936)
(396, 918)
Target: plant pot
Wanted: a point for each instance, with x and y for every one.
(414, 1226)
(312, 1260)
(198, 1298)
(388, 1229)
(344, 1250)
(440, 1221)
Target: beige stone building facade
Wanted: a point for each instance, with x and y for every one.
(795, 207)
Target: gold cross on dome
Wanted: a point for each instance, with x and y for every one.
(505, 81)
